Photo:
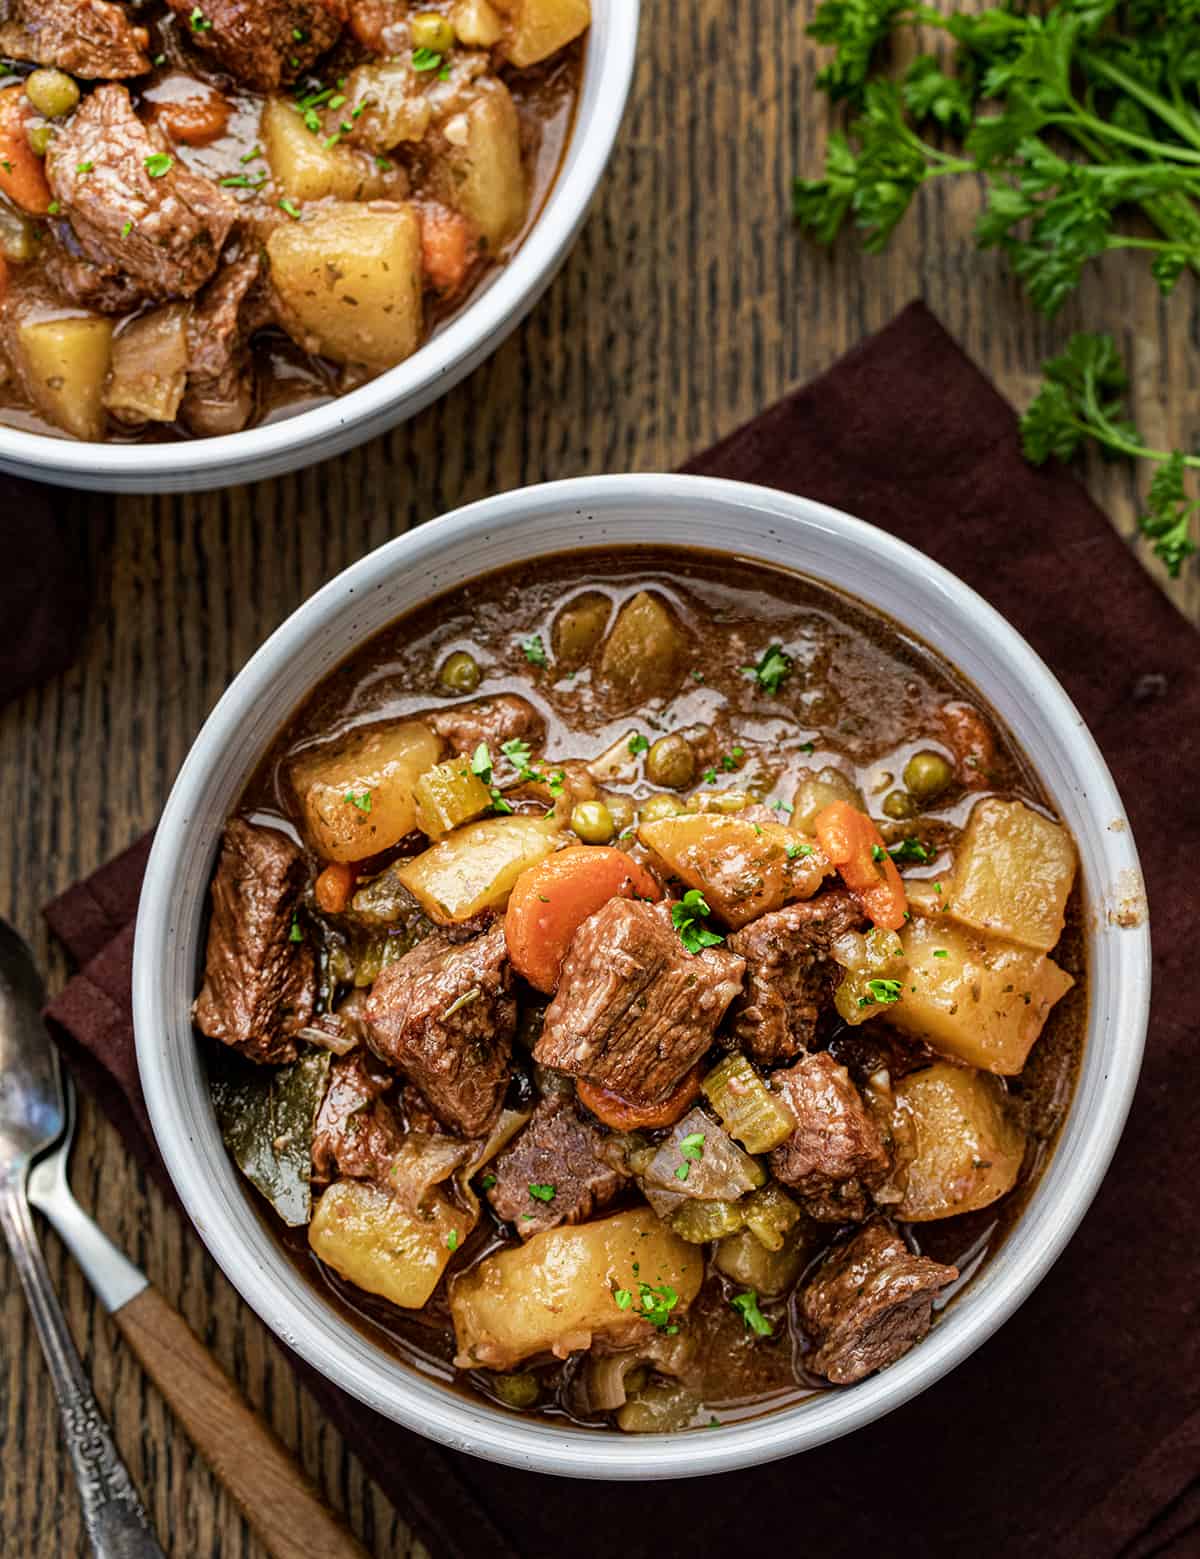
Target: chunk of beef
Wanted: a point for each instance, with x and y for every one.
(263, 42)
(790, 976)
(94, 39)
(560, 1154)
(101, 287)
(503, 718)
(357, 1134)
(220, 386)
(134, 207)
(870, 1300)
(634, 1009)
(837, 1149)
(444, 1014)
(259, 985)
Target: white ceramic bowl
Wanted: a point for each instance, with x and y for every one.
(750, 522)
(493, 312)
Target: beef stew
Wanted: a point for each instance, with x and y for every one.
(682, 995)
(214, 215)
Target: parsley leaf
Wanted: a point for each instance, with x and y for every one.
(517, 752)
(623, 1298)
(543, 1193)
(746, 1305)
(360, 799)
(656, 1304)
(881, 993)
(909, 850)
(534, 650)
(686, 916)
(773, 669)
(638, 743)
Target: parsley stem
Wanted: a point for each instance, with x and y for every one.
(1181, 119)
(1160, 150)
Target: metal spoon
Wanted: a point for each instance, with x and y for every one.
(32, 1116)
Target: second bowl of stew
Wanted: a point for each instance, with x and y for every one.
(640, 956)
(239, 237)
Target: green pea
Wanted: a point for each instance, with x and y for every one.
(927, 774)
(671, 763)
(39, 138)
(656, 808)
(899, 805)
(593, 822)
(52, 92)
(431, 31)
(519, 1391)
(459, 673)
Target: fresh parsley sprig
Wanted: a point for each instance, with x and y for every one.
(1081, 399)
(1072, 117)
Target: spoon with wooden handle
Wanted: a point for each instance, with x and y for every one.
(280, 1504)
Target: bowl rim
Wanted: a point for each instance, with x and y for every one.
(471, 336)
(472, 1426)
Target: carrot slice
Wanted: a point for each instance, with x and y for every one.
(552, 900)
(855, 846)
(624, 1115)
(22, 176)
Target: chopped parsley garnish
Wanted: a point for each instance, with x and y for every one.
(252, 155)
(54, 208)
(683, 1171)
(127, 229)
(427, 59)
(534, 650)
(291, 208)
(657, 1302)
(878, 853)
(159, 164)
(732, 759)
(692, 1145)
(452, 1240)
(517, 752)
(198, 22)
(481, 763)
(84, 167)
(487, 1182)
(746, 1305)
(638, 743)
(783, 806)
(909, 850)
(623, 1298)
(881, 993)
(686, 917)
(709, 776)
(299, 35)
(243, 181)
(941, 952)
(773, 669)
(5, 164)
(807, 747)
(360, 799)
(296, 934)
(542, 1193)
(794, 850)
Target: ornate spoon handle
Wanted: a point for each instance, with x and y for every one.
(113, 1515)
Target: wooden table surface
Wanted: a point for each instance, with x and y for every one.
(688, 304)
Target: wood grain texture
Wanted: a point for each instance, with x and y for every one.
(688, 304)
(282, 1508)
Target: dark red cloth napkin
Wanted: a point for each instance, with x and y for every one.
(45, 585)
(1075, 1432)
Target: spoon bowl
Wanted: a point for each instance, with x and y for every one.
(32, 1110)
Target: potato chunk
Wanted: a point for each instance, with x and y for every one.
(475, 867)
(358, 797)
(538, 28)
(348, 279)
(744, 869)
(967, 1148)
(365, 1235)
(482, 173)
(306, 168)
(566, 1287)
(974, 997)
(643, 655)
(64, 363)
(449, 795)
(1013, 873)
